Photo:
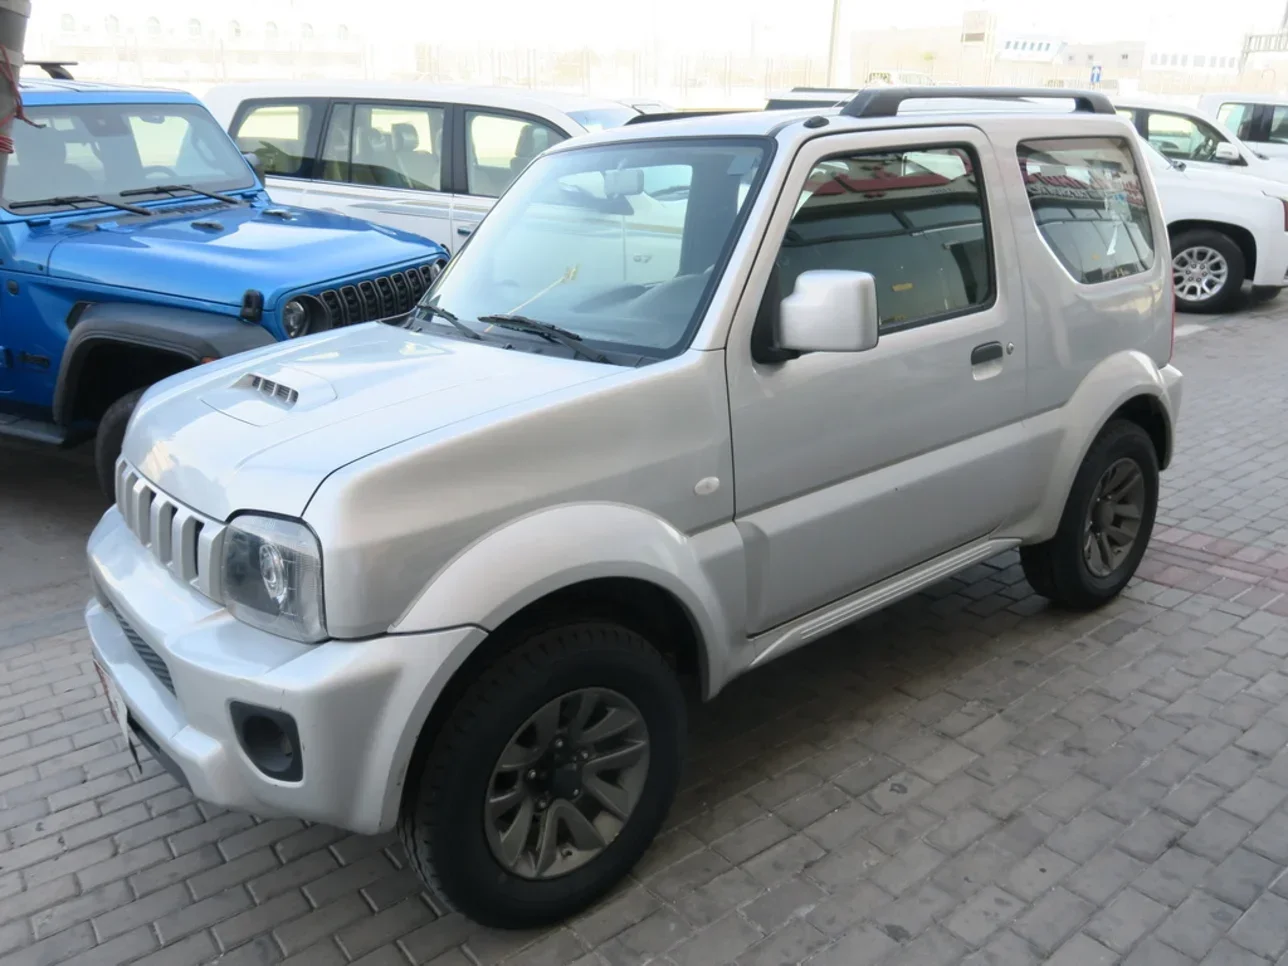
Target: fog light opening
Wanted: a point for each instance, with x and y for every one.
(271, 741)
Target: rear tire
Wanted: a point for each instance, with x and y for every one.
(469, 797)
(1200, 259)
(110, 437)
(1076, 568)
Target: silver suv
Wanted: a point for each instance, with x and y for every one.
(696, 394)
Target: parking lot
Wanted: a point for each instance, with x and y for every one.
(967, 777)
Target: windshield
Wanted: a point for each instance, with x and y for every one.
(105, 149)
(603, 118)
(620, 244)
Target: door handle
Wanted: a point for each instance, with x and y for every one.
(988, 352)
(462, 230)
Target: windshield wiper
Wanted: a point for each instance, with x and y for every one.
(547, 331)
(176, 188)
(433, 311)
(78, 200)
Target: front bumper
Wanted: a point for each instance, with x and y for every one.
(358, 705)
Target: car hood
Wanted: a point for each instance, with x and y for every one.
(217, 254)
(261, 430)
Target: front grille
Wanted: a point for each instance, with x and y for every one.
(181, 540)
(379, 298)
(151, 659)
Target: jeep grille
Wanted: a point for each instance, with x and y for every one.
(181, 540)
(379, 298)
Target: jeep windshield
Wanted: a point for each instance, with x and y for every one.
(620, 244)
(108, 150)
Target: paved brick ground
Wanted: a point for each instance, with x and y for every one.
(967, 778)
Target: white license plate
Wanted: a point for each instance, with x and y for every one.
(115, 701)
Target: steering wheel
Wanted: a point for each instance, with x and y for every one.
(153, 170)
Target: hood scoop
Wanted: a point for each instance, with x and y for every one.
(265, 397)
(273, 390)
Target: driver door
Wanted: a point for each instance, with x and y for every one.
(852, 467)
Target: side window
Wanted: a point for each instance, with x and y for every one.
(498, 147)
(913, 218)
(398, 146)
(1182, 138)
(1278, 125)
(1237, 119)
(1087, 200)
(279, 136)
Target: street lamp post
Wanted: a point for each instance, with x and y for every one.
(834, 42)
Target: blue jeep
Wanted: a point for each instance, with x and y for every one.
(136, 241)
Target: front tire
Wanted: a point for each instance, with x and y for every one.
(110, 437)
(550, 777)
(1106, 524)
(1208, 270)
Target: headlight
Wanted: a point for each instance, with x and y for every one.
(294, 319)
(303, 315)
(272, 577)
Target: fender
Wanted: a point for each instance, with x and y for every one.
(193, 335)
(1070, 430)
(523, 561)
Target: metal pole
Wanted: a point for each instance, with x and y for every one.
(14, 15)
(834, 42)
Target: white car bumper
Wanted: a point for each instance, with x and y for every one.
(356, 707)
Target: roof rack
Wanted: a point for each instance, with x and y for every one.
(56, 69)
(678, 115)
(885, 101)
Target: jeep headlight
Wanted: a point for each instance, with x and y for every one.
(272, 577)
(303, 315)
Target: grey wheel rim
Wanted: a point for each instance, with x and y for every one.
(567, 783)
(1112, 525)
(1199, 273)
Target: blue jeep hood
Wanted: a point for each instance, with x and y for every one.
(250, 249)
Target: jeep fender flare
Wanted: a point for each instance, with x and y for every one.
(547, 550)
(186, 333)
(1073, 427)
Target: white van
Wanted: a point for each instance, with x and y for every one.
(429, 159)
(1259, 119)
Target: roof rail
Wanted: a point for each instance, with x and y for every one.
(56, 69)
(824, 90)
(885, 101)
(678, 115)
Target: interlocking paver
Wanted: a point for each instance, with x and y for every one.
(986, 781)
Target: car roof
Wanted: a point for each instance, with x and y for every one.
(788, 123)
(516, 98)
(1242, 97)
(41, 90)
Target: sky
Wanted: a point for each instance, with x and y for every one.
(792, 27)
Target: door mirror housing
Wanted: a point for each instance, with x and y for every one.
(256, 164)
(1227, 152)
(830, 311)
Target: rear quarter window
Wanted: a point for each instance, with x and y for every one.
(1089, 205)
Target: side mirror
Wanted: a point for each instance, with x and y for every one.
(1227, 152)
(830, 311)
(256, 164)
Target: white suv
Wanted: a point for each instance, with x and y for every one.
(426, 158)
(446, 576)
